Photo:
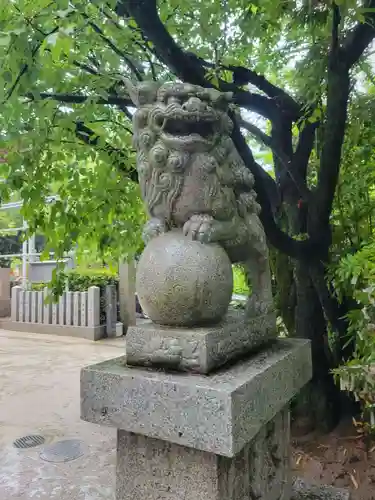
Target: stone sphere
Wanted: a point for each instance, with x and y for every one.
(181, 282)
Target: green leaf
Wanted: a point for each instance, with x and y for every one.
(4, 40)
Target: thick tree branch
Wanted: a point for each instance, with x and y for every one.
(146, 50)
(79, 98)
(284, 100)
(338, 89)
(257, 133)
(86, 68)
(132, 66)
(335, 41)
(268, 197)
(283, 158)
(147, 18)
(304, 147)
(243, 76)
(187, 66)
(361, 36)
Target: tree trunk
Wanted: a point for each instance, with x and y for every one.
(285, 290)
(318, 405)
(319, 402)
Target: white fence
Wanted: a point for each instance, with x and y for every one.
(72, 309)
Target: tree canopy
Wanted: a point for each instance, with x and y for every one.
(301, 76)
(64, 102)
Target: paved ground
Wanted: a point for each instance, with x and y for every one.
(39, 393)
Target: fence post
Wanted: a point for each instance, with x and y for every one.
(110, 309)
(55, 313)
(76, 308)
(93, 306)
(69, 308)
(15, 303)
(27, 313)
(127, 291)
(34, 308)
(47, 309)
(40, 298)
(21, 313)
(83, 308)
(62, 309)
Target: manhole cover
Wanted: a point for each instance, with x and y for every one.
(63, 451)
(28, 441)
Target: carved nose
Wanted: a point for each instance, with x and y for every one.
(194, 104)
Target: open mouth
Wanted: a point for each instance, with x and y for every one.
(185, 128)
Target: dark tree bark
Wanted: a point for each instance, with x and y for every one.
(321, 398)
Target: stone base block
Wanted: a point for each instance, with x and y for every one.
(219, 413)
(304, 491)
(150, 469)
(83, 332)
(202, 349)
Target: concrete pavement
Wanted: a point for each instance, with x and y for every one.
(39, 394)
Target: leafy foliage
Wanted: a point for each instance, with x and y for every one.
(240, 285)
(355, 274)
(79, 280)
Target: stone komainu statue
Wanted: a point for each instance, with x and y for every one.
(192, 177)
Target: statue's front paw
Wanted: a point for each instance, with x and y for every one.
(200, 227)
(152, 229)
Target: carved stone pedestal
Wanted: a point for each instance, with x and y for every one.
(183, 436)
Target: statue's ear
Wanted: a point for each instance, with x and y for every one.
(132, 90)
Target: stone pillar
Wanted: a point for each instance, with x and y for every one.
(83, 308)
(55, 313)
(27, 306)
(62, 309)
(110, 310)
(69, 308)
(47, 307)
(76, 308)
(5, 308)
(214, 437)
(127, 293)
(15, 308)
(93, 306)
(40, 307)
(34, 308)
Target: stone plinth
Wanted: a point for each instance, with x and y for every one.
(201, 349)
(219, 413)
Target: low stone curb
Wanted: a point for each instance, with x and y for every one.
(305, 491)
